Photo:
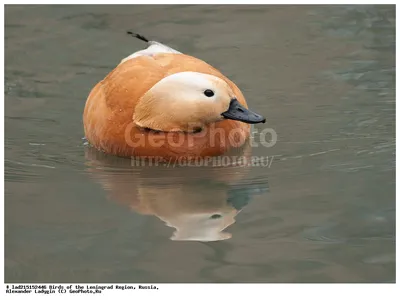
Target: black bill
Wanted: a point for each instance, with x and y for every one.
(238, 112)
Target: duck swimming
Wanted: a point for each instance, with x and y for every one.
(159, 102)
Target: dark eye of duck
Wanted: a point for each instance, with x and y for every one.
(216, 216)
(209, 93)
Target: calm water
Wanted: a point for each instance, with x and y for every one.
(324, 211)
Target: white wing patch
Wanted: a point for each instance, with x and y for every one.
(154, 48)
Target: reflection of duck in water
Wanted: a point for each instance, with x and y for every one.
(199, 202)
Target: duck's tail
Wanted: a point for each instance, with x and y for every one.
(136, 35)
(152, 48)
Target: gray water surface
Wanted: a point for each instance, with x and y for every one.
(324, 209)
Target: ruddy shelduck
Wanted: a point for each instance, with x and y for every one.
(159, 102)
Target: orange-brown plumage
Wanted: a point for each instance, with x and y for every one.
(109, 115)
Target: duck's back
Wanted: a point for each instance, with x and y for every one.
(109, 109)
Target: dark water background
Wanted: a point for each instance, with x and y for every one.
(324, 211)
